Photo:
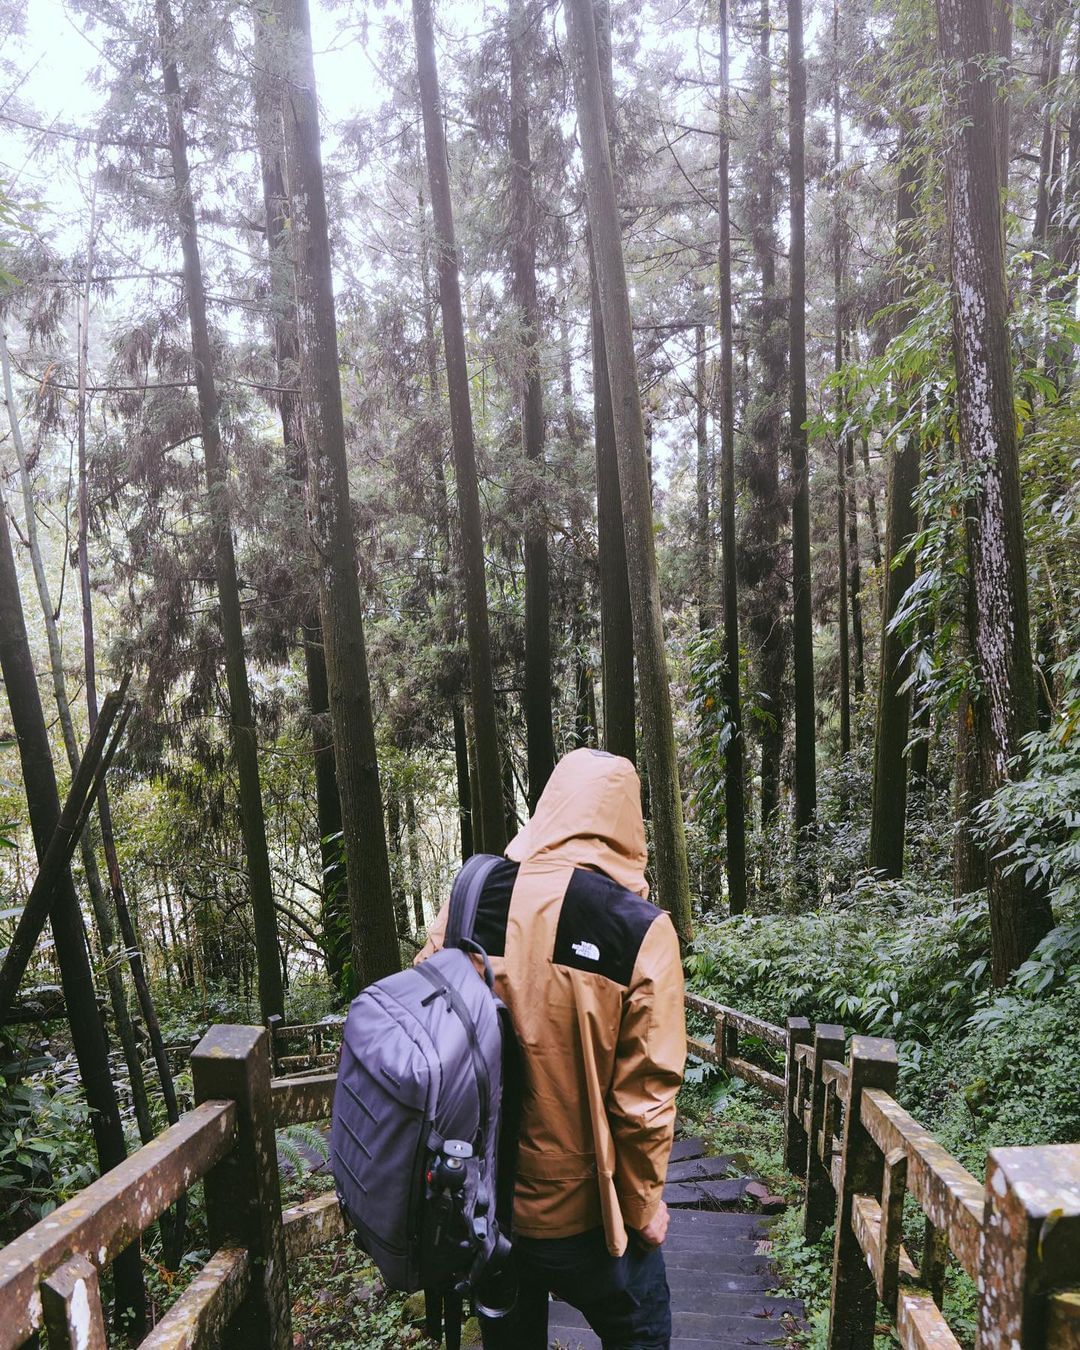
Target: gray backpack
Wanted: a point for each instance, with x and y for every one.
(420, 1141)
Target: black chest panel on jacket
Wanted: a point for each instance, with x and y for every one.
(494, 907)
(601, 927)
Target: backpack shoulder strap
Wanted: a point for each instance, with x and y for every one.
(465, 897)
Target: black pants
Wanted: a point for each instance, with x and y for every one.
(625, 1299)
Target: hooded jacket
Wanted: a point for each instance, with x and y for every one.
(592, 975)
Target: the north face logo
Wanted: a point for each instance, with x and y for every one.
(589, 951)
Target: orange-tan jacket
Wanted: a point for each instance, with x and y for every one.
(592, 975)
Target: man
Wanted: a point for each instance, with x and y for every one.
(592, 975)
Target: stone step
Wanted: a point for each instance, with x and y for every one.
(705, 1194)
(700, 1169)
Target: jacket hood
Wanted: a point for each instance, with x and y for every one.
(589, 815)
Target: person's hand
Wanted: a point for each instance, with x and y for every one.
(655, 1231)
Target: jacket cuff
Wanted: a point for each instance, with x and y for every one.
(639, 1208)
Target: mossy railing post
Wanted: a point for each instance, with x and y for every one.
(798, 1033)
(243, 1190)
(852, 1309)
(274, 1023)
(821, 1201)
(71, 1307)
(726, 1040)
(1031, 1249)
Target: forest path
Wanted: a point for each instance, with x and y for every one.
(718, 1265)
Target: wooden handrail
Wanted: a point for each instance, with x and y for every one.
(859, 1150)
(104, 1218)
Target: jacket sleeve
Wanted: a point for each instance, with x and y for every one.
(649, 1065)
(435, 936)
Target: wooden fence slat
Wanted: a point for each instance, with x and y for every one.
(935, 1259)
(71, 1306)
(744, 1022)
(920, 1325)
(820, 1195)
(199, 1319)
(798, 1033)
(892, 1227)
(243, 1191)
(1063, 1322)
(753, 1073)
(297, 1100)
(853, 1303)
(102, 1219)
(312, 1223)
(948, 1194)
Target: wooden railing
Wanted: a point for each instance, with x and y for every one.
(1017, 1236)
(861, 1154)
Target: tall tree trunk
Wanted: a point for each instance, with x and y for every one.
(173, 1231)
(375, 950)
(1048, 187)
(871, 502)
(103, 919)
(657, 726)
(703, 579)
(540, 738)
(842, 437)
(888, 807)
(242, 724)
(1020, 914)
(270, 134)
(854, 570)
(76, 977)
(415, 880)
(397, 862)
(803, 623)
(616, 618)
(734, 754)
(616, 615)
(760, 552)
(442, 517)
(969, 854)
(488, 809)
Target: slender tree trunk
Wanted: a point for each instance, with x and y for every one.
(375, 950)
(442, 515)
(803, 624)
(1047, 191)
(270, 133)
(616, 615)
(173, 1228)
(103, 919)
(760, 551)
(537, 700)
(734, 754)
(397, 864)
(464, 785)
(489, 772)
(969, 855)
(871, 502)
(842, 437)
(242, 724)
(76, 976)
(665, 794)
(703, 580)
(888, 807)
(616, 618)
(415, 881)
(1020, 913)
(854, 571)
